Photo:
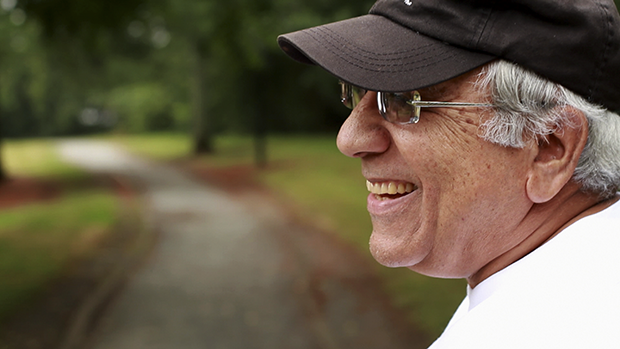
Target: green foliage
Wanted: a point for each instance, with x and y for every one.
(258, 83)
(210, 61)
(143, 59)
(22, 76)
(141, 107)
(91, 25)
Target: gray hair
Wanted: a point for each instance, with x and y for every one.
(525, 110)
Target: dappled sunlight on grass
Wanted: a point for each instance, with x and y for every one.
(36, 158)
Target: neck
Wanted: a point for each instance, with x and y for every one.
(545, 221)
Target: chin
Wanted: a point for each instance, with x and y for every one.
(442, 268)
(396, 252)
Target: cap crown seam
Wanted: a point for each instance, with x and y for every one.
(477, 37)
(337, 38)
(334, 50)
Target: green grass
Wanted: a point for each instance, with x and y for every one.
(35, 158)
(327, 189)
(39, 240)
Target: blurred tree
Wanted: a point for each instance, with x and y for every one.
(80, 39)
(240, 79)
(196, 22)
(21, 74)
(41, 80)
(85, 21)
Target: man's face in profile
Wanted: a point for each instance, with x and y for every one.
(468, 193)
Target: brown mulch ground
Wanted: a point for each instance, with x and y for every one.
(234, 179)
(21, 191)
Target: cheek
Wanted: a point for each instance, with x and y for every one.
(442, 153)
(407, 238)
(478, 197)
(478, 214)
(469, 194)
(481, 187)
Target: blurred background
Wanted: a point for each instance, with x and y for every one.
(199, 85)
(70, 68)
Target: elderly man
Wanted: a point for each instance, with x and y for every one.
(486, 134)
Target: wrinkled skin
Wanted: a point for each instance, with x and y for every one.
(478, 206)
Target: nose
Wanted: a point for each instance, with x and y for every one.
(363, 133)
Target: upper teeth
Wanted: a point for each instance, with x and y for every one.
(390, 188)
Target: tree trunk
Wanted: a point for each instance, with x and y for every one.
(260, 124)
(203, 140)
(260, 141)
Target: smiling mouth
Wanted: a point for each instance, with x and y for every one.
(390, 190)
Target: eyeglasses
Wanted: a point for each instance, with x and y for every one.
(397, 107)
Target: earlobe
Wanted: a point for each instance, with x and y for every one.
(556, 157)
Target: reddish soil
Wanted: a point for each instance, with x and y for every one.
(21, 191)
(234, 179)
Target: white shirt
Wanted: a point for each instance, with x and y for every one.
(565, 294)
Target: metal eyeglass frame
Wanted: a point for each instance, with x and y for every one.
(351, 95)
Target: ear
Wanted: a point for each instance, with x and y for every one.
(556, 156)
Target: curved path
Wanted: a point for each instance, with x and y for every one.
(235, 273)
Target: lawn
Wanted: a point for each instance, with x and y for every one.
(327, 189)
(39, 239)
(36, 158)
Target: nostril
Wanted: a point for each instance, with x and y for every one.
(360, 154)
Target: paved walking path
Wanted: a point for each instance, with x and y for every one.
(230, 273)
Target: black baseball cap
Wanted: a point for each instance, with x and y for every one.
(404, 45)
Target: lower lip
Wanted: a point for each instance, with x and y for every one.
(381, 207)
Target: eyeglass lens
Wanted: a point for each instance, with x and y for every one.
(351, 95)
(397, 108)
(394, 107)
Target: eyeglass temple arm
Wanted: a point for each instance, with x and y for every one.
(446, 104)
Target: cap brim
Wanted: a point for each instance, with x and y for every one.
(377, 54)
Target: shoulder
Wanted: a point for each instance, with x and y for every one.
(562, 295)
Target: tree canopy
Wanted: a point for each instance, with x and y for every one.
(202, 66)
